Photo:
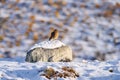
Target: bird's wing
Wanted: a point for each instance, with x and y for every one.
(52, 34)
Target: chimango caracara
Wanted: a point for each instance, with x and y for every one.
(54, 35)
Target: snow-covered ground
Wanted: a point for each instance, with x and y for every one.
(90, 27)
(87, 70)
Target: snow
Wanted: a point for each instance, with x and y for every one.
(49, 44)
(90, 34)
(87, 70)
(81, 24)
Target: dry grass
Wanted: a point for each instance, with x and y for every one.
(35, 36)
(3, 1)
(18, 43)
(108, 13)
(97, 5)
(1, 38)
(57, 14)
(66, 72)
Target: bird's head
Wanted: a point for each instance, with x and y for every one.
(55, 30)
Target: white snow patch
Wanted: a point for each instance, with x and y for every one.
(49, 44)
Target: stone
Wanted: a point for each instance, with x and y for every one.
(59, 54)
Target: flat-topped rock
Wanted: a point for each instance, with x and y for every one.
(49, 51)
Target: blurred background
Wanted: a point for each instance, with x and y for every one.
(90, 27)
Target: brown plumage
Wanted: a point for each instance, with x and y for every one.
(54, 35)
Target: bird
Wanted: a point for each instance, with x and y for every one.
(54, 35)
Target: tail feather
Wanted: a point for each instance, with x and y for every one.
(50, 38)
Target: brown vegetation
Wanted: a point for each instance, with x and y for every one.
(66, 72)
